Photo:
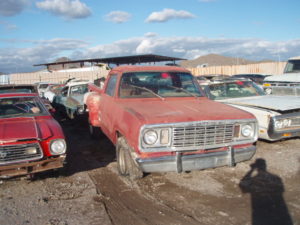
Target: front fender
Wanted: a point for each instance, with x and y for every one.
(93, 102)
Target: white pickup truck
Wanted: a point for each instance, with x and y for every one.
(287, 83)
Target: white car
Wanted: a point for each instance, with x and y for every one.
(41, 87)
(70, 99)
(278, 116)
(287, 83)
(51, 91)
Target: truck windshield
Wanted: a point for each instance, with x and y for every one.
(292, 66)
(158, 84)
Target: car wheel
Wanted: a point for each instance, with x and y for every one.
(125, 163)
(70, 114)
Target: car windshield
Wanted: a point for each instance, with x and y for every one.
(292, 66)
(236, 89)
(20, 107)
(158, 84)
(43, 86)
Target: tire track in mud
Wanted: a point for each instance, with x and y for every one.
(125, 205)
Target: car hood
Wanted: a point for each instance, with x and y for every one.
(183, 110)
(16, 129)
(271, 102)
(287, 77)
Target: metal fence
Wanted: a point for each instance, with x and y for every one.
(272, 68)
(55, 77)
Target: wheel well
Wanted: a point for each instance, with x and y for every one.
(118, 134)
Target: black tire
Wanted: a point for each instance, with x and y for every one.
(125, 163)
(94, 132)
(70, 114)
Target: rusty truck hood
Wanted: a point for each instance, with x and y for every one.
(270, 102)
(173, 110)
(24, 128)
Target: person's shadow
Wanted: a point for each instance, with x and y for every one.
(266, 190)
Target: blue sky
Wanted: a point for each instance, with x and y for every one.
(40, 31)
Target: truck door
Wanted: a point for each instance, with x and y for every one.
(107, 107)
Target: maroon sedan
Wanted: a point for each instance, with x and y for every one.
(31, 140)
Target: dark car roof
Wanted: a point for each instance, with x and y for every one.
(18, 88)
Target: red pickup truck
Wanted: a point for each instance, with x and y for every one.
(160, 121)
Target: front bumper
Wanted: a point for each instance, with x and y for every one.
(32, 167)
(287, 132)
(180, 162)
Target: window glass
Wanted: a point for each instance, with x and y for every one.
(158, 84)
(237, 89)
(21, 106)
(111, 85)
(64, 91)
(79, 90)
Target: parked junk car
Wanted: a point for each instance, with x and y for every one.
(213, 77)
(18, 88)
(52, 90)
(69, 100)
(257, 78)
(160, 121)
(41, 87)
(278, 116)
(31, 140)
(287, 83)
(24, 88)
(202, 80)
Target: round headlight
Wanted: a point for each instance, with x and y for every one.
(247, 131)
(150, 137)
(58, 147)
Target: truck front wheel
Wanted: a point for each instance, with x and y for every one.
(125, 163)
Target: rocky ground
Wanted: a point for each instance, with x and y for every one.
(89, 191)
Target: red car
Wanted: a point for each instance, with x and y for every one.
(31, 140)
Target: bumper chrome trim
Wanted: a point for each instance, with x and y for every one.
(179, 162)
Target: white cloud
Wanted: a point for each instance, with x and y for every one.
(70, 9)
(14, 59)
(21, 59)
(12, 7)
(168, 14)
(118, 16)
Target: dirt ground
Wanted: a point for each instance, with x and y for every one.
(90, 191)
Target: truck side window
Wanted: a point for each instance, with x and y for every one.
(111, 85)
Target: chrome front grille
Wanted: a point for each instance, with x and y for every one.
(295, 121)
(203, 135)
(20, 153)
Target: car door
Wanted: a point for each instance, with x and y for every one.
(61, 98)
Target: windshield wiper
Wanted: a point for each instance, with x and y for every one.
(149, 90)
(183, 90)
